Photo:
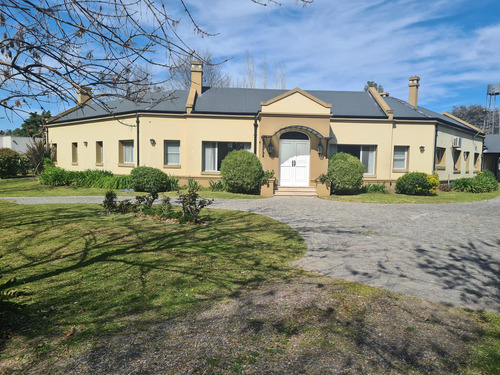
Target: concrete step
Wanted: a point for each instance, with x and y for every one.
(295, 191)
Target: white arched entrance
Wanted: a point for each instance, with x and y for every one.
(294, 150)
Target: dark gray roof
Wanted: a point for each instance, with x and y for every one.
(405, 111)
(170, 101)
(492, 143)
(246, 101)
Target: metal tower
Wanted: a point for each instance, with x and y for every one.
(492, 120)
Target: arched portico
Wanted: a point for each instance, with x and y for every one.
(296, 153)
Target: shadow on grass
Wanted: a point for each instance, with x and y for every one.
(97, 272)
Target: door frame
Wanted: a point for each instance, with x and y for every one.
(308, 162)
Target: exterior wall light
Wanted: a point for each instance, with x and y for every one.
(270, 147)
(85, 143)
(320, 149)
(153, 142)
(422, 149)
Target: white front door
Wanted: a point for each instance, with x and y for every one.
(294, 162)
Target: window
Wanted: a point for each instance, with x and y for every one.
(477, 161)
(466, 161)
(98, 153)
(171, 151)
(53, 152)
(440, 158)
(74, 153)
(400, 160)
(457, 162)
(126, 152)
(215, 152)
(366, 154)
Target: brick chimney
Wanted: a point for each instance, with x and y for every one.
(196, 75)
(413, 94)
(84, 95)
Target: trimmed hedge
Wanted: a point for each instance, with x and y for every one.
(483, 182)
(345, 172)
(9, 162)
(55, 176)
(241, 172)
(417, 183)
(151, 180)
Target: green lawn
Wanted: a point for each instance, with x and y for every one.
(82, 271)
(441, 197)
(29, 187)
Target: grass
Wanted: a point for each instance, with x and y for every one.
(29, 187)
(440, 197)
(83, 274)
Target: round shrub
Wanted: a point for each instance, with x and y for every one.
(241, 172)
(9, 162)
(345, 171)
(417, 183)
(149, 179)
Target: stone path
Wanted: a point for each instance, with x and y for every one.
(447, 253)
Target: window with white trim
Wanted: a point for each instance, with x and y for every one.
(215, 152)
(366, 154)
(171, 152)
(126, 149)
(400, 158)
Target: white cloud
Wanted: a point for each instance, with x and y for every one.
(337, 45)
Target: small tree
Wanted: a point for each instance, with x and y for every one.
(346, 173)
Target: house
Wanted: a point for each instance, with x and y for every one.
(492, 154)
(293, 132)
(19, 144)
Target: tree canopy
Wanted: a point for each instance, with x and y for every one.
(374, 84)
(479, 116)
(49, 49)
(32, 126)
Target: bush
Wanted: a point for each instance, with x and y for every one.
(9, 162)
(374, 188)
(417, 183)
(444, 187)
(37, 152)
(345, 172)
(25, 165)
(150, 180)
(192, 205)
(90, 178)
(483, 182)
(241, 172)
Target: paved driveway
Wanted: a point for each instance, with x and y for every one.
(448, 253)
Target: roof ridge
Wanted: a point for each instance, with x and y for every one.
(413, 107)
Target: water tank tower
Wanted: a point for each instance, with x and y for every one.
(492, 121)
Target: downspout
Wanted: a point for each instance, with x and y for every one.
(436, 126)
(255, 127)
(137, 121)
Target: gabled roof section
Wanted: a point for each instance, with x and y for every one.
(296, 102)
(405, 111)
(158, 102)
(295, 91)
(461, 121)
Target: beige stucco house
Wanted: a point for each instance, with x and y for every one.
(293, 133)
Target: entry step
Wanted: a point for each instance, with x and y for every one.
(295, 191)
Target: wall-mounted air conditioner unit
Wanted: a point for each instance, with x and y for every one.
(457, 142)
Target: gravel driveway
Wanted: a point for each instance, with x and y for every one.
(447, 253)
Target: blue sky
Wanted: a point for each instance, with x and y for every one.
(453, 45)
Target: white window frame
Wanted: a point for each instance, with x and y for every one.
(166, 151)
(128, 143)
(333, 149)
(405, 159)
(216, 154)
